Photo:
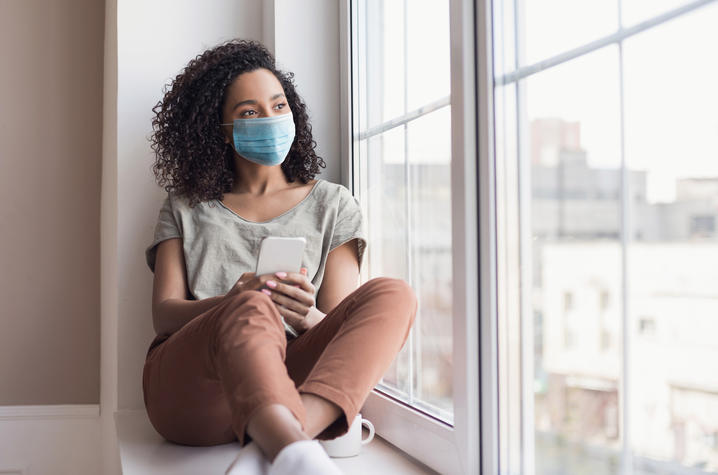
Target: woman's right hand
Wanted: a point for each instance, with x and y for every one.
(249, 281)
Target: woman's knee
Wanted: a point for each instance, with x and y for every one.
(397, 291)
(392, 285)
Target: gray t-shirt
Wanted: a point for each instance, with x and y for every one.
(219, 245)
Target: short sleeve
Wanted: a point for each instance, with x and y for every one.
(350, 224)
(166, 228)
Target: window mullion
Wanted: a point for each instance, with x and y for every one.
(404, 119)
(626, 451)
(407, 203)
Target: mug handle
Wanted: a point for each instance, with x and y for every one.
(370, 426)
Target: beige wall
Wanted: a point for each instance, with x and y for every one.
(50, 165)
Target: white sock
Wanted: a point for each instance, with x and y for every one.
(303, 457)
(249, 461)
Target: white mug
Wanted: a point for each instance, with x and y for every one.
(349, 444)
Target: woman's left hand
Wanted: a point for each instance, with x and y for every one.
(293, 295)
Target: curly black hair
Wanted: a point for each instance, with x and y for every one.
(192, 157)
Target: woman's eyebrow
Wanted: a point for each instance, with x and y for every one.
(252, 101)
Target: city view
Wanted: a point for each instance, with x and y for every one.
(672, 311)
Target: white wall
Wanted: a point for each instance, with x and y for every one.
(154, 41)
(305, 38)
(108, 249)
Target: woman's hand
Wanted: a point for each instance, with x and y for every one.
(293, 295)
(249, 281)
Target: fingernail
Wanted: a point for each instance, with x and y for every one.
(304, 270)
(281, 275)
(271, 283)
(268, 292)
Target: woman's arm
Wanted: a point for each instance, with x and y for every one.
(171, 309)
(172, 314)
(341, 276)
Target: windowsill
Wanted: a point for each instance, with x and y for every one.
(143, 451)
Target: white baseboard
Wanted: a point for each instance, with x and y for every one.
(13, 471)
(57, 439)
(49, 412)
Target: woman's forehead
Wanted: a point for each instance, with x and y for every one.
(257, 84)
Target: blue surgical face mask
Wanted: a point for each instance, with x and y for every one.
(264, 140)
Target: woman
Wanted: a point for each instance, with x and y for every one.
(235, 153)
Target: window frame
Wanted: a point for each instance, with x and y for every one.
(470, 446)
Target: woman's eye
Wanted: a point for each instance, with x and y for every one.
(247, 112)
(281, 105)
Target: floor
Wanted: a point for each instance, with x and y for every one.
(143, 451)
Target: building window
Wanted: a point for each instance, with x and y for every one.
(703, 226)
(646, 326)
(604, 300)
(567, 301)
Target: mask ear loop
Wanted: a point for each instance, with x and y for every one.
(229, 142)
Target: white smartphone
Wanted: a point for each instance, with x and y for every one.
(281, 254)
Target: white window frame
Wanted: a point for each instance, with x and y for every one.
(471, 444)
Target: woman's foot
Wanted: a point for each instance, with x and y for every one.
(249, 461)
(303, 457)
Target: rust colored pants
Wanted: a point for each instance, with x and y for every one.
(203, 383)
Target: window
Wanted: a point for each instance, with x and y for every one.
(703, 226)
(607, 190)
(401, 144)
(567, 302)
(647, 326)
(402, 175)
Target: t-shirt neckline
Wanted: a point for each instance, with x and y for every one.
(293, 208)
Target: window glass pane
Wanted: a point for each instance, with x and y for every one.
(381, 59)
(407, 60)
(672, 145)
(387, 222)
(386, 192)
(428, 67)
(403, 180)
(393, 88)
(634, 11)
(429, 141)
(504, 60)
(555, 26)
(559, 267)
(573, 119)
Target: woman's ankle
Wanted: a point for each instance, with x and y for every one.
(274, 427)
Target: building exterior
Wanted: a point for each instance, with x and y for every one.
(671, 303)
